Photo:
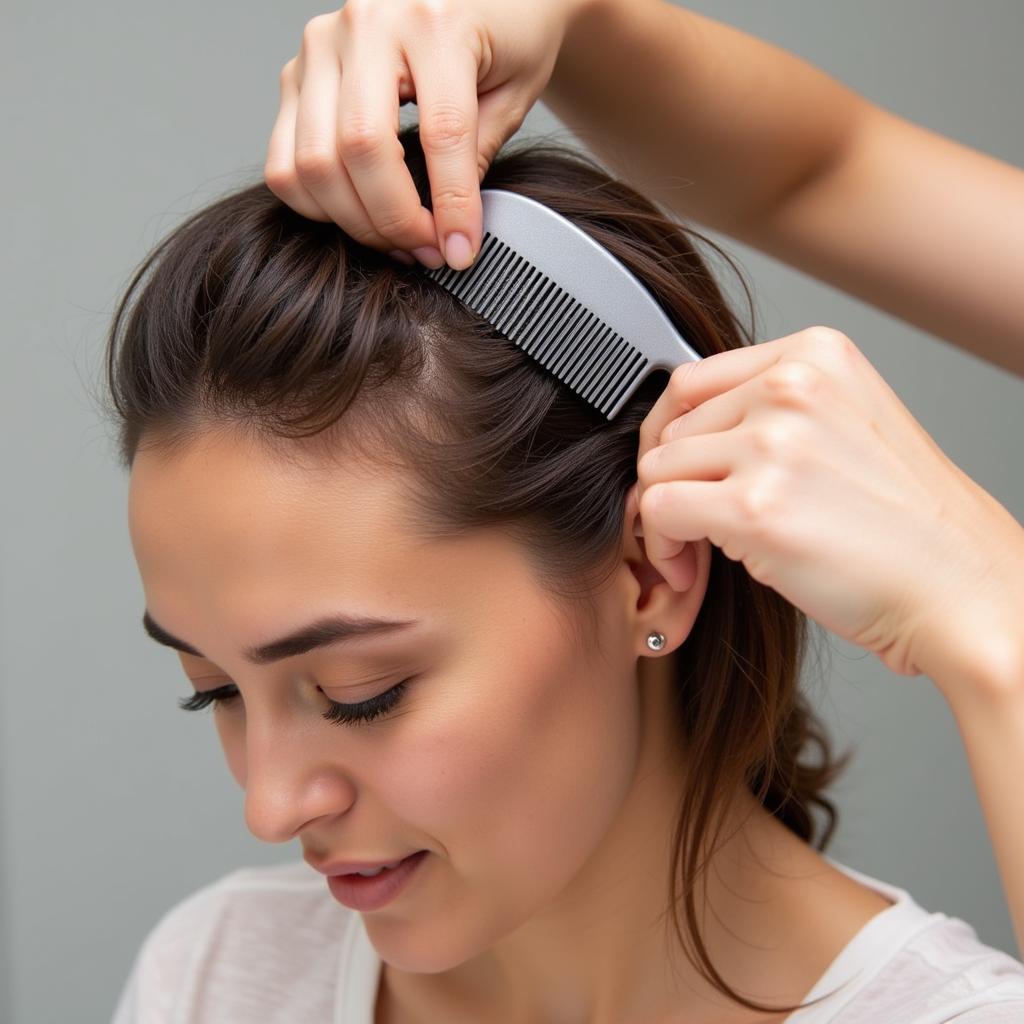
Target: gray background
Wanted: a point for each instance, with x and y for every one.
(122, 117)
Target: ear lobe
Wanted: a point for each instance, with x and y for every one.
(660, 606)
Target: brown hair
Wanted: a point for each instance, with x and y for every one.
(253, 315)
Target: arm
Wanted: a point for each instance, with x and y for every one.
(970, 643)
(988, 706)
(752, 141)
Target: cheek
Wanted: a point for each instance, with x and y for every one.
(518, 773)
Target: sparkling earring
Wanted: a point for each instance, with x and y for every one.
(656, 641)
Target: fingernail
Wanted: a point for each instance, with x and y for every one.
(429, 256)
(402, 257)
(458, 253)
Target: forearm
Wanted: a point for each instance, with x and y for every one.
(989, 712)
(918, 225)
(750, 140)
(713, 122)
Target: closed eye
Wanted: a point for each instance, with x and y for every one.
(342, 714)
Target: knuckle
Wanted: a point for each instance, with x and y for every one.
(772, 440)
(314, 164)
(366, 237)
(445, 127)
(678, 382)
(278, 176)
(793, 383)
(397, 224)
(351, 10)
(363, 232)
(754, 505)
(432, 12)
(452, 197)
(645, 467)
(310, 31)
(648, 503)
(828, 338)
(359, 138)
(287, 75)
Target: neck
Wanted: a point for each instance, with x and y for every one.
(605, 951)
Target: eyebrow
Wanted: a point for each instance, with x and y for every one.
(330, 630)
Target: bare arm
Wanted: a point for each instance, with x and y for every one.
(989, 713)
(752, 141)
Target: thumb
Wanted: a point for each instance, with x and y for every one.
(500, 115)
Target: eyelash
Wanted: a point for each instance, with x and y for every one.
(341, 714)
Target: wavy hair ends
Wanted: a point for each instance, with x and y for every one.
(250, 316)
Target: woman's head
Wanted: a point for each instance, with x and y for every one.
(313, 432)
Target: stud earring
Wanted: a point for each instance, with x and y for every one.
(656, 641)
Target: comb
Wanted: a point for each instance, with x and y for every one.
(566, 301)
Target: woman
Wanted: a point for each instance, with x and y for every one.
(403, 560)
(904, 218)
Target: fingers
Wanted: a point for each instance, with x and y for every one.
(679, 511)
(318, 158)
(445, 69)
(367, 128)
(500, 113)
(712, 457)
(709, 457)
(321, 161)
(317, 162)
(693, 383)
(334, 152)
(279, 168)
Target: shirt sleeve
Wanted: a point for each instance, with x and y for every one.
(160, 986)
(1009, 1011)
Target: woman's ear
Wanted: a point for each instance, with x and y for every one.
(655, 605)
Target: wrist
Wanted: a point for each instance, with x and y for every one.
(990, 675)
(969, 631)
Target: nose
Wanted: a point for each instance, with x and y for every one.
(291, 779)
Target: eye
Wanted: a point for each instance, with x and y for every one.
(342, 714)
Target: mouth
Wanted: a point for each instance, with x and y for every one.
(352, 867)
(371, 892)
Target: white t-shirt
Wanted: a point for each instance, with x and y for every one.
(271, 945)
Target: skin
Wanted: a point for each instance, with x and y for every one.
(543, 781)
(845, 190)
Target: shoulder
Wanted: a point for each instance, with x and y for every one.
(246, 905)
(256, 936)
(919, 967)
(944, 972)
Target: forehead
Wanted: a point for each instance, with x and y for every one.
(230, 495)
(229, 534)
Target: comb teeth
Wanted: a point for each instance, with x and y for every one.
(537, 315)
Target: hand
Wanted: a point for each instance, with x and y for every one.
(795, 457)
(474, 68)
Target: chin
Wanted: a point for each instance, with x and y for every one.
(435, 944)
(421, 947)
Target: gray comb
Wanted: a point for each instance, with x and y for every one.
(562, 298)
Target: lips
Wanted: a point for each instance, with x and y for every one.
(351, 867)
(358, 892)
